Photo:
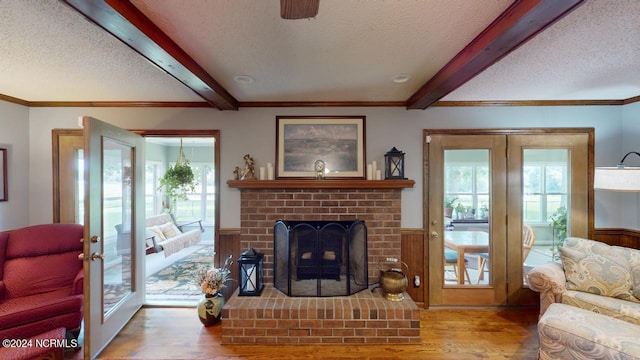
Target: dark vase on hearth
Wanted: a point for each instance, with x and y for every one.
(210, 309)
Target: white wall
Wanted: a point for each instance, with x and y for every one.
(252, 131)
(14, 136)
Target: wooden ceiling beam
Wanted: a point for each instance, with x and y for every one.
(520, 22)
(299, 9)
(127, 23)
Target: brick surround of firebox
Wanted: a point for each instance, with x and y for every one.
(365, 317)
(379, 208)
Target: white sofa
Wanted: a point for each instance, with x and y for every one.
(164, 234)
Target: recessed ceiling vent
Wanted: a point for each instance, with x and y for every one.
(299, 9)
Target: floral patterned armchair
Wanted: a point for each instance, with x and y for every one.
(590, 302)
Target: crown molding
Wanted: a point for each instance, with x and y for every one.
(191, 104)
(11, 99)
(530, 103)
(301, 104)
(271, 104)
(631, 100)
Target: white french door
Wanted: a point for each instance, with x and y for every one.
(114, 231)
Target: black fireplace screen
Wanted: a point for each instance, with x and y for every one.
(320, 258)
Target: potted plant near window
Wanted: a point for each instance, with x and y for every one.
(178, 180)
(460, 211)
(559, 225)
(448, 205)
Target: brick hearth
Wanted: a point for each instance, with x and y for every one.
(362, 318)
(365, 317)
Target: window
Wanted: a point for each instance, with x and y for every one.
(467, 178)
(545, 179)
(200, 203)
(153, 198)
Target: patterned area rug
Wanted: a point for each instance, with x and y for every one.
(176, 283)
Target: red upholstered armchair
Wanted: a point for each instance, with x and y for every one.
(41, 280)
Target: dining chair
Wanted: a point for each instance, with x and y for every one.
(451, 259)
(528, 239)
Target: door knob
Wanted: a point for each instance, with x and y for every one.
(95, 256)
(434, 234)
(95, 239)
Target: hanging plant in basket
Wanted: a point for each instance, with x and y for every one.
(178, 180)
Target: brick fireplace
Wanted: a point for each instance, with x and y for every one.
(377, 203)
(293, 320)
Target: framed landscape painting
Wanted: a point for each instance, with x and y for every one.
(339, 141)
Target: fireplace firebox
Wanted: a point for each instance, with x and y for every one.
(320, 258)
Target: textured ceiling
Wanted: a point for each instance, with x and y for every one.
(51, 53)
(349, 52)
(591, 54)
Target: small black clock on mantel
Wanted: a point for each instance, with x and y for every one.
(394, 165)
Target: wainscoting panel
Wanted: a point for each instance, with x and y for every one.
(412, 253)
(621, 237)
(229, 244)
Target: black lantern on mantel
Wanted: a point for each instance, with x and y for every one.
(251, 278)
(394, 165)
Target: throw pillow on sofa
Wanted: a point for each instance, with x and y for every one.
(597, 274)
(170, 230)
(157, 232)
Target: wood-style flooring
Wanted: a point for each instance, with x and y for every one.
(451, 333)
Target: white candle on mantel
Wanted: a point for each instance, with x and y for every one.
(262, 172)
(369, 172)
(378, 175)
(374, 168)
(269, 171)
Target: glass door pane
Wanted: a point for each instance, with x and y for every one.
(118, 219)
(467, 244)
(79, 187)
(545, 195)
(466, 238)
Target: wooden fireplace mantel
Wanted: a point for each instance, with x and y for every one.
(320, 184)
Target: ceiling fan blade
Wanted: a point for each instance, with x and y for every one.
(299, 9)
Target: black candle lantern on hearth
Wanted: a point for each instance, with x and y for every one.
(251, 277)
(394, 165)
